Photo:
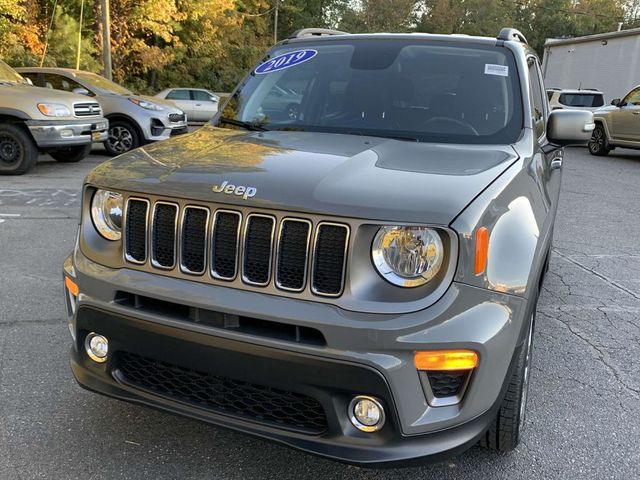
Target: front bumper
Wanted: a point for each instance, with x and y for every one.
(66, 133)
(367, 354)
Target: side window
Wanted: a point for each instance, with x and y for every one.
(537, 97)
(31, 76)
(178, 95)
(200, 96)
(58, 82)
(633, 97)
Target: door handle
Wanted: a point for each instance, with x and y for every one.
(636, 112)
(198, 104)
(556, 163)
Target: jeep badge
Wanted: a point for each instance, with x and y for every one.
(240, 190)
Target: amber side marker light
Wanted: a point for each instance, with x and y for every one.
(446, 360)
(71, 286)
(482, 249)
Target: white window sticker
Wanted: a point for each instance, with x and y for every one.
(501, 70)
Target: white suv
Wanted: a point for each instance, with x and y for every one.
(587, 99)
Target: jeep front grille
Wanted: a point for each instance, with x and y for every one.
(254, 248)
(89, 109)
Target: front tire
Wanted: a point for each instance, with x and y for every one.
(503, 434)
(123, 137)
(598, 145)
(18, 151)
(71, 154)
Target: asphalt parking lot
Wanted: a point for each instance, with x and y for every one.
(584, 408)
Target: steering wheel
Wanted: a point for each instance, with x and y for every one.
(441, 122)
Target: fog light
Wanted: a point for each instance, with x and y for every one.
(66, 133)
(366, 414)
(97, 347)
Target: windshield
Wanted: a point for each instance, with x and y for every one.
(8, 74)
(398, 88)
(102, 84)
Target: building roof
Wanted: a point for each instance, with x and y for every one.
(552, 42)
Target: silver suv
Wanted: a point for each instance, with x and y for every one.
(585, 99)
(617, 125)
(358, 280)
(34, 120)
(133, 119)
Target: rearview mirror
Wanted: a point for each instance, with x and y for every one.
(570, 127)
(615, 102)
(81, 91)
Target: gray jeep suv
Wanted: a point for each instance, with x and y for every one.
(133, 119)
(358, 280)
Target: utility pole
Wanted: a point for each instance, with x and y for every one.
(106, 38)
(275, 23)
(80, 35)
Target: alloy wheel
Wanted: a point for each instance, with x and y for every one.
(596, 144)
(120, 139)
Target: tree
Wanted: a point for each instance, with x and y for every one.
(381, 16)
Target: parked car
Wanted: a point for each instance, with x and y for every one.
(282, 102)
(199, 104)
(587, 99)
(34, 120)
(359, 281)
(133, 119)
(617, 125)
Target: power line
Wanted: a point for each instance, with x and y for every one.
(255, 14)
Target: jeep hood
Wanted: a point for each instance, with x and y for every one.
(326, 173)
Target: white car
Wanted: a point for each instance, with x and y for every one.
(199, 104)
(586, 99)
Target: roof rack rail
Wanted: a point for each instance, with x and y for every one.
(311, 32)
(507, 34)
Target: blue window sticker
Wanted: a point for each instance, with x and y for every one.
(285, 60)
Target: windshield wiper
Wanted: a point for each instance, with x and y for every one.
(398, 137)
(254, 127)
(381, 135)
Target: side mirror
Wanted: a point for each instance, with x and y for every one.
(213, 99)
(615, 102)
(28, 80)
(81, 91)
(570, 127)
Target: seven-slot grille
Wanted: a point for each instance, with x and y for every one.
(90, 109)
(225, 245)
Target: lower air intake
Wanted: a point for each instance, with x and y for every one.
(259, 403)
(447, 383)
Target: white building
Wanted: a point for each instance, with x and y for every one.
(609, 62)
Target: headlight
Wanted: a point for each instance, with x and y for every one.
(106, 213)
(407, 256)
(54, 110)
(147, 105)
